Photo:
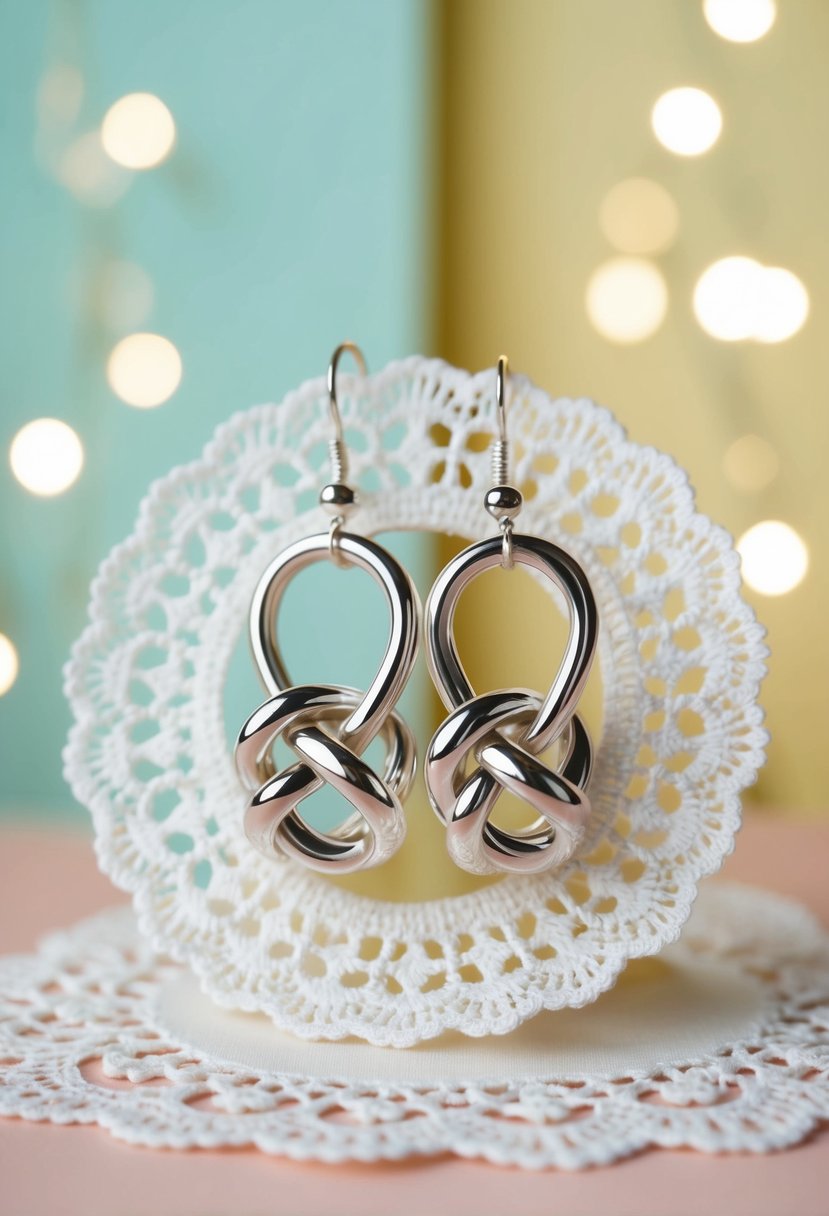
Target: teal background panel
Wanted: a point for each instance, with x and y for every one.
(294, 212)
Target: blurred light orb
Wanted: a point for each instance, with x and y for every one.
(627, 299)
(46, 456)
(9, 665)
(90, 175)
(639, 216)
(725, 298)
(750, 463)
(123, 295)
(686, 121)
(740, 20)
(144, 370)
(737, 299)
(782, 305)
(774, 557)
(138, 131)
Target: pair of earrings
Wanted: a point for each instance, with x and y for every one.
(488, 743)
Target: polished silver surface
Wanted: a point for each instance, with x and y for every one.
(502, 501)
(329, 726)
(337, 497)
(502, 734)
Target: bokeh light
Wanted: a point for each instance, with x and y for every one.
(750, 463)
(737, 299)
(774, 557)
(627, 299)
(725, 298)
(144, 370)
(740, 20)
(639, 216)
(782, 305)
(686, 121)
(138, 131)
(9, 665)
(46, 456)
(90, 175)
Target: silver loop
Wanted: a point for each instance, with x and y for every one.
(301, 715)
(475, 725)
(334, 531)
(506, 544)
(329, 726)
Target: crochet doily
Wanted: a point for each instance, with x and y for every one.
(681, 657)
(734, 1020)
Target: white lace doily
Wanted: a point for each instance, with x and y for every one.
(681, 658)
(723, 1046)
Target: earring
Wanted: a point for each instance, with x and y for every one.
(505, 732)
(329, 726)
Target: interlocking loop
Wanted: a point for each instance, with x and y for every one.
(329, 726)
(505, 732)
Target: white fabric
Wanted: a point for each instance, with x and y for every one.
(681, 656)
(685, 1009)
(87, 1035)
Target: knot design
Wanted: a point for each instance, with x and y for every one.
(329, 726)
(502, 734)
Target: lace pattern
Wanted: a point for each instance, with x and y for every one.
(681, 654)
(82, 1040)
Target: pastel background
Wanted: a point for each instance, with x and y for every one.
(293, 211)
(458, 178)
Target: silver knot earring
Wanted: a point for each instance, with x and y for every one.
(329, 726)
(503, 733)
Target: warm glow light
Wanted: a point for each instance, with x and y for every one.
(740, 20)
(750, 463)
(123, 294)
(144, 370)
(782, 305)
(46, 456)
(639, 216)
(725, 298)
(686, 121)
(9, 665)
(138, 131)
(627, 299)
(774, 558)
(737, 299)
(90, 175)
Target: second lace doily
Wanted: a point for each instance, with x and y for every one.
(720, 1046)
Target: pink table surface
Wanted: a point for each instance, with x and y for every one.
(48, 878)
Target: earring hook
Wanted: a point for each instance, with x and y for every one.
(338, 498)
(501, 397)
(337, 448)
(503, 501)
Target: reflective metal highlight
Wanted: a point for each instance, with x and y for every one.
(505, 732)
(329, 726)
